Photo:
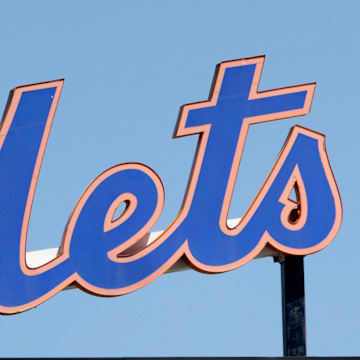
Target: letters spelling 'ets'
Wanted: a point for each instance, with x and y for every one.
(92, 252)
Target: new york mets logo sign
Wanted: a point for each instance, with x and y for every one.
(94, 254)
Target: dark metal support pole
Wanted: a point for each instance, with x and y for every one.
(293, 305)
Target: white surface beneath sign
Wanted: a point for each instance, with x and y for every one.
(38, 258)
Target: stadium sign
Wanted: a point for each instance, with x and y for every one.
(98, 250)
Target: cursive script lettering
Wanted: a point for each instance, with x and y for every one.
(95, 255)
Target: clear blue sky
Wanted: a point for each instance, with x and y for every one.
(129, 66)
